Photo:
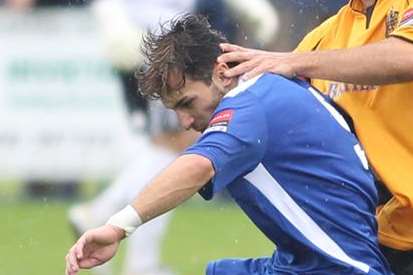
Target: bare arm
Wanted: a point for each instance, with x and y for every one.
(385, 62)
(180, 181)
(177, 183)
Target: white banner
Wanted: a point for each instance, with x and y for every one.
(61, 109)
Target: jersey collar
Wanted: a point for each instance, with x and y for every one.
(357, 5)
(242, 86)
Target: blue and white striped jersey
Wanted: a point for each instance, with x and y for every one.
(291, 163)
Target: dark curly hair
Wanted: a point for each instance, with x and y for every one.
(187, 45)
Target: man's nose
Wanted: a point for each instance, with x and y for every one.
(185, 119)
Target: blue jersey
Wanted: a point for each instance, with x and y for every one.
(289, 160)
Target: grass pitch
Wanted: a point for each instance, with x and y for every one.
(35, 237)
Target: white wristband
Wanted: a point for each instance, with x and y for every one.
(127, 219)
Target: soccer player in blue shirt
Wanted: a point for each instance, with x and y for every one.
(285, 155)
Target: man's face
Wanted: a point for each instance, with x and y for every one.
(195, 102)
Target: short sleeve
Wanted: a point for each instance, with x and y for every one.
(404, 28)
(235, 142)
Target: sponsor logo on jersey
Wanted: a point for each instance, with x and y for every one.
(220, 121)
(336, 89)
(223, 116)
(407, 19)
(392, 20)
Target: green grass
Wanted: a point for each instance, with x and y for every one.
(35, 237)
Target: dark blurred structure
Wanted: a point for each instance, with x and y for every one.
(219, 16)
(61, 3)
(295, 19)
(298, 17)
(26, 4)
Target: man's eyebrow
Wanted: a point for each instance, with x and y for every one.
(182, 101)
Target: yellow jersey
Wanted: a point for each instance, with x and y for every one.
(382, 115)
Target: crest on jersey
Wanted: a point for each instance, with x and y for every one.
(407, 19)
(220, 121)
(391, 21)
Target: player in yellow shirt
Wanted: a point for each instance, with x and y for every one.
(363, 58)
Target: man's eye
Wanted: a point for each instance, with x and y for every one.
(187, 104)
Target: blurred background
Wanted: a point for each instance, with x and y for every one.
(75, 138)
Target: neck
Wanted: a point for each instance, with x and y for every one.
(368, 3)
(234, 83)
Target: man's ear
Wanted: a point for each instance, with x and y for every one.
(218, 75)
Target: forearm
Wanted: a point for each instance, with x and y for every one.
(385, 62)
(177, 183)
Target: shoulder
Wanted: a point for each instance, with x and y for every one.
(237, 110)
(254, 87)
(313, 38)
(237, 114)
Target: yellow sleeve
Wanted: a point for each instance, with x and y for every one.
(313, 38)
(395, 225)
(404, 29)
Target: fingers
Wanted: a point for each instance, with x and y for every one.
(252, 62)
(89, 263)
(253, 72)
(74, 256)
(72, 266)
(234, 53)
(78, 249)
(237, 56)
(241, 69)
(227, 47)
(281, 69)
